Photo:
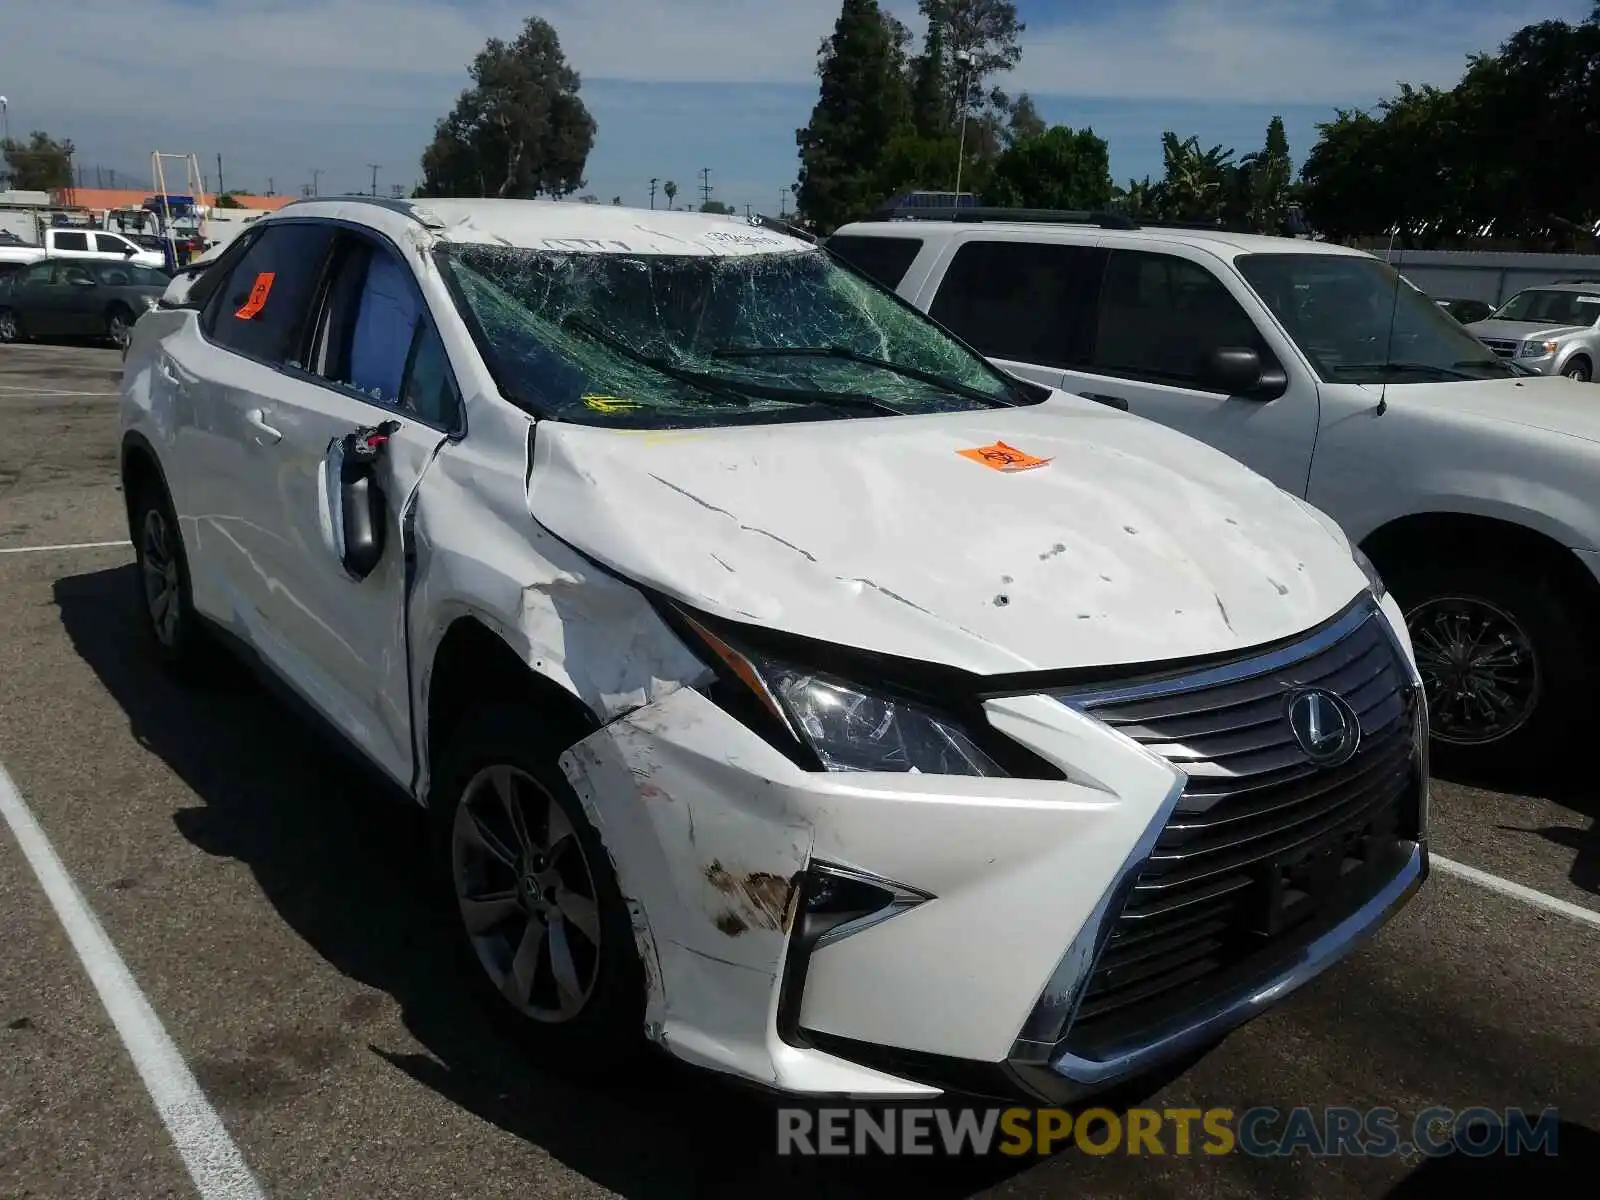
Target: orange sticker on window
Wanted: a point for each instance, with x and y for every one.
(259, 291)
(1003, 457)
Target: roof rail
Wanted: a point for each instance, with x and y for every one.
(1040, 216)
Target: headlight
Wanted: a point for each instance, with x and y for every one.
(851, 728)
(1537, 349)
(1374, 580)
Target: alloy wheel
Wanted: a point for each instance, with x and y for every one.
(162, 585)
(526, 893)
(1479, 670)
(118, 329)
(9, 329)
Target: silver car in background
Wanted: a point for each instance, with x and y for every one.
(1552, 329)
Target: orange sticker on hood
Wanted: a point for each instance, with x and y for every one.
(1003, 457)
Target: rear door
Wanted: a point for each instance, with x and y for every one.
(37, 299)
(69, 243)
(1028, 306)
(372, 355)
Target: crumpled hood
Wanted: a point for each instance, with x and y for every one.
(1523, 331)
(1134, 543)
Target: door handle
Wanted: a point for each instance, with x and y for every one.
(1116, 402)
(266, 435)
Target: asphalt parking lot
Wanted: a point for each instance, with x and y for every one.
(266, 906)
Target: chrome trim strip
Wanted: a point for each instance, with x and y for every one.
(1057, 1005)
(1314, 958)
(1359, 613)
(905, 899)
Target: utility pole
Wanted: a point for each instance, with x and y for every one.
(316, 176)
(219, 175)
(747, 215)
(705, 187)
(783, 202)
(270, 190)
(373, 167)
(653, 184)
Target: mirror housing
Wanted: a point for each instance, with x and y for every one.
(1239, 371)
(128, 252)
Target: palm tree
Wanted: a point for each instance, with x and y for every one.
(671, 189)
(1195, 178)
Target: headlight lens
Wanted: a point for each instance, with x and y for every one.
(853, 730)
(1374, 580)
(1538, 349)
(849, 728)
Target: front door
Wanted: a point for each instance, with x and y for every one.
(373, 357)
(1161, 315)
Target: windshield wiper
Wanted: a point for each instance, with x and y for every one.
(709, 383)
(932, 379)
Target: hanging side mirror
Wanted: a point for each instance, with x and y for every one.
(355, 513)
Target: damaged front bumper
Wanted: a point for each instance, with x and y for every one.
(902, 935)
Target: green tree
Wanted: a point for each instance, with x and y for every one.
(716, 206)
(40, 163)
(986, 32)
(617, 200)
(1196, 183)
(863, 104)
(1271, 174)
(519, 130)
(1024, 121)
(670, 189)
(227, 200)
(930, 85)
(1059, 168)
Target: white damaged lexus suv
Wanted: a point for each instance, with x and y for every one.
(787, 685)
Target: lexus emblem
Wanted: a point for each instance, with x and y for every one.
(1324, 725)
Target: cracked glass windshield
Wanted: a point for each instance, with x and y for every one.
(1359, 322)
(697, 339)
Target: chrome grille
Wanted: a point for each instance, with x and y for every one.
(1229, 884)
(1500, 346)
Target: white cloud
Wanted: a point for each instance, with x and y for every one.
(347, 58)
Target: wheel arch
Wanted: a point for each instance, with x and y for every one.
(140, 467)
(1418, 537)
(473, 664)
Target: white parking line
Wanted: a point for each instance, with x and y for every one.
(1516, 891)
(64, 546)
(28, 391)
(214, 1162)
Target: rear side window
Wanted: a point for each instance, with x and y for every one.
(259, 311)
(886, 259)
(1162, 316)
(1023, 301)
(73, 241)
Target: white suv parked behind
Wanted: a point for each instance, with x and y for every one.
(1469, 483)
(786, 684)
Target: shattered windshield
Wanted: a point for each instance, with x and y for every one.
(1539, 306)
(698, 339)
(1358, 321)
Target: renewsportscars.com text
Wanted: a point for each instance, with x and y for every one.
(1259, 1132)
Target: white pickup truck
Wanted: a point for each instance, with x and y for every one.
(1467, 479)
(66, 242)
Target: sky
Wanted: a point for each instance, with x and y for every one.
(283, 88)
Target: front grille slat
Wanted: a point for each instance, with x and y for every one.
(1254, 803)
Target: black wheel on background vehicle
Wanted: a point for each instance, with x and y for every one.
(119, 326)
(533, 905)
(166, 605)
(10, 326)
(1503, 657)
(1579, 368)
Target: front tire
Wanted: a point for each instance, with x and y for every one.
(1504, 659)
(119, 326)
(531, 901)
